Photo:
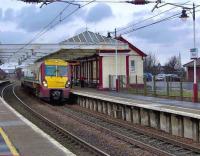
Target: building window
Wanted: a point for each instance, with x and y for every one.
(132, 65)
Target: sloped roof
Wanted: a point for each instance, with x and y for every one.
(131, 46)
(2, 72)
(88, 37)
(191, 63)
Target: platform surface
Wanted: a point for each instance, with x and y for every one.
(160, 104)
(20, 137)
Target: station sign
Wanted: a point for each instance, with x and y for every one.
(194, 53)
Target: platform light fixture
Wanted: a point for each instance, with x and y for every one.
(194, 50)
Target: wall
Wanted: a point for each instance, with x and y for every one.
(109, 67)
(190, 76)
(138, 68)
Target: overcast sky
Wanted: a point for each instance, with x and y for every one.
(19, 22)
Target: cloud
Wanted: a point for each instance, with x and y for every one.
(32, 19)
(163, 33)
(98, 13)
(9, 15)
(1, 13)
(13, 37)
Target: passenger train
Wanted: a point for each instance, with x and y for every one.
(49, 79)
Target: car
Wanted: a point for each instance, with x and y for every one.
(172, 77)
(160, 77)
(148, 76)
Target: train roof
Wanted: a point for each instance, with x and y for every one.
(55, 62)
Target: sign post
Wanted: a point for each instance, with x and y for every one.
(194, 56)
(193, 53)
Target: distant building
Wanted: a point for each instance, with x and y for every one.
(96, 56)
(190, 70)
(2, 74)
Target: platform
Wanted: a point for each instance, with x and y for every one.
(19, 137)
(167, 105)
(175, 117)
(4, 81)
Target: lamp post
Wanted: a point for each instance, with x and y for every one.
(194, 52)
(195, 85)
(116, 63)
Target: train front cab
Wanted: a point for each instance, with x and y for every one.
(55, 79)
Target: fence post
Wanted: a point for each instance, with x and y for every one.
(181, 89)
(154, 85)
(136, 81)
(167, 81)
(145, 86)
(110, 82)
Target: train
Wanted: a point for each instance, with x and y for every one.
(49, 80)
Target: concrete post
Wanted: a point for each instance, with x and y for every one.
(128, 113)
(136, 115)
(99, 105)
(84, 102)
(176, 125)
(104, 107)
(165, 122)
(90, 104)
(144, 117)
(95, 106)
(78, 100)
(109, 109)
(190, 128)
(123, 112)
(81, 101)
(115, 110)
(154, 119)
(87, 103)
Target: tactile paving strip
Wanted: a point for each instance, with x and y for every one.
(6, 147)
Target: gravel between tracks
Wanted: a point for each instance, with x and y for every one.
(96, 137)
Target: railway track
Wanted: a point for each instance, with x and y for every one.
(145, 141)
(63, 136)
(134, 138)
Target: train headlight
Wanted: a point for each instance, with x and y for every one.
(67, 84)
(45, 84)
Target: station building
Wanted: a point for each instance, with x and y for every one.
(190, 70)
(97, 65)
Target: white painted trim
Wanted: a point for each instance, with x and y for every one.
(113, 54)
(38, 130)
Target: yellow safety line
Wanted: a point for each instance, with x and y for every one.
(8, 143)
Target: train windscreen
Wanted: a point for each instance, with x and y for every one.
(50, 71)
(62, 70)
(56, 70)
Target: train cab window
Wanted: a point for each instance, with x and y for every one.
(50, 71)
(61, 70)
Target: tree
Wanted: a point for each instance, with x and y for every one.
(151, 64)
(173, 66)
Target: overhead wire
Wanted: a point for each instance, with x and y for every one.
(47, 28)
(43, 29)
(149, 18)
(142, 27)
(162, 20)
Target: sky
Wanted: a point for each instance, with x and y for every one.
(20, 22)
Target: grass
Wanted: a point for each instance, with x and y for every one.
(187, 94)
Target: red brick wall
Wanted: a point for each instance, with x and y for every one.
(191, 74)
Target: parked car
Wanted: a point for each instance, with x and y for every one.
(160, 77)
(148, 76)
(172, 77)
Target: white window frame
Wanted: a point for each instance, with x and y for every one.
(132, 68)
